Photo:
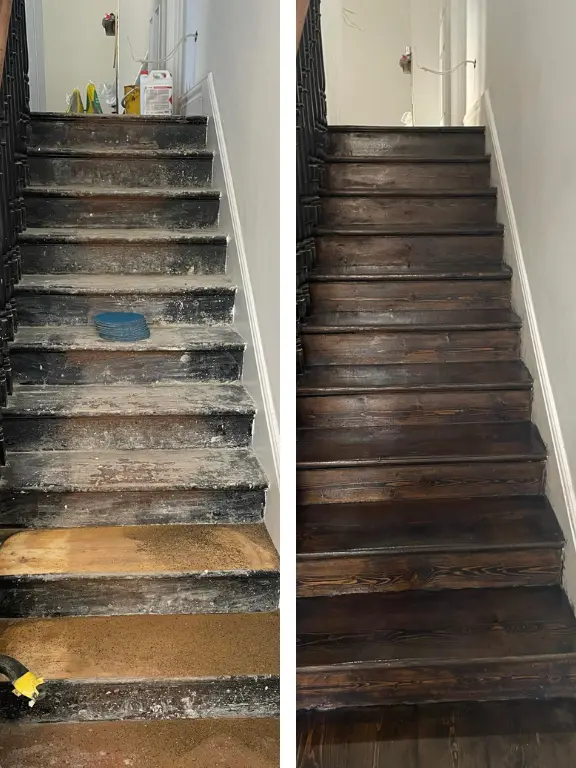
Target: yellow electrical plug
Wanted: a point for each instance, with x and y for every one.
(27, 686)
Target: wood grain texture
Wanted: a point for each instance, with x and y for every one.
(351, 141)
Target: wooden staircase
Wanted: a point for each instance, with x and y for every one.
(137, 576)
(429, 559)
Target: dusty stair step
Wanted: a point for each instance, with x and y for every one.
(122, 167)
(411, 462)
(77, 355)
(50, 129)
(394, 172)
(377, 141)
(425, 646)
(233, 742)
(92, 417)
(138, 570)
(99, 206)
(389, 207)
(381, 395)
(409, 246)
(159, 667)
(163, 299)
(427, 294)
(442, 544)
(405, 336)
(122, 251)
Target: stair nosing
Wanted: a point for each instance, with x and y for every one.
(429, 549)
(412, 231)
(49, 235)
(400, 159)
(144, 285)
(410, 193)
(407, 129)
(415, 276)
(145, 153)
(162, 119)
(126, 193)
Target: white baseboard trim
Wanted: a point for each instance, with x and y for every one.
(559, 483)
(202, 99)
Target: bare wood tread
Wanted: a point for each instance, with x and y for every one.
(403, 192)
(412, 320)
(145, 647)
(446, 525)
(330, 379)
(385, 272)
(35, 190)
(443, 628)
(405, 230)
(409, 159)
(139, 550)
(441, 129)
(122, 235)
(62, 338)
(453, 443)
(133, 470)
(196, 398)
(73, 284)
(218, 743)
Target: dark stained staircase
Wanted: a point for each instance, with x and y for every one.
(429, 559)
(138, 577)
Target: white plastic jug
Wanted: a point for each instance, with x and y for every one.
(156, 91)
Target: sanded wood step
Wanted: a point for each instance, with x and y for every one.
(75, 299)
(77, 355)
(443, 544)
(50, 129)
(375, 273)
(457, 443)
(397, 172)
(413, 320)
(99, 206)
(209, 415)
(120, 167)
(354, 140)
(233, 742)
(465, 645)
(132, 570)
(360, 208)
(209, 665)
(72, 250)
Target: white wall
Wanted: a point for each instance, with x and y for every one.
(425, 40)
(76, 49)
(134, 30)
(530, 82)
(238, 43)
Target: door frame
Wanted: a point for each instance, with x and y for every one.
(37, 64)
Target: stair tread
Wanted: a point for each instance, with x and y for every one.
(224, 742)
(427, 525)
(139, 550)
(404, 192)
(72, 284)
(433, 129)
(453, 443)
(404, 230)
(121, 192)
(119, 152)
(109, 118)
(332, 379)
(374, 272)
(445, 627)
(120, 235)
(197, 398)
(132, 470)
(408, 159)
(163, 338)
(144, 647)
(407, 320)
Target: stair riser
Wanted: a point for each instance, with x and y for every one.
(37, 597)
(160, 172)
(380, 144)
(93, 367)
(34, 509)
(44, 309)
(117, 433)
(161, 213)
(398, 573)
(410, 294)
(472, 681)
(71, 701)
(470, 252)
(383, 409)
(436, 176)
(379, 347)
(123, 259)
(440, 212)
(419, 481)
(117, 134)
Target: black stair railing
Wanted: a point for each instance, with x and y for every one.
(14, 126)
(311, 138)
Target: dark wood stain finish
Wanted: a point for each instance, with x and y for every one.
(429, 562)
